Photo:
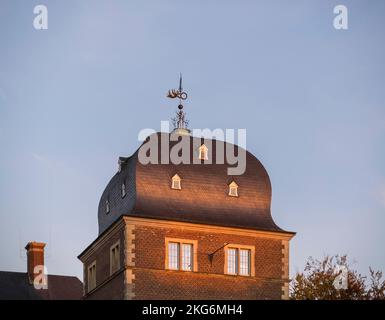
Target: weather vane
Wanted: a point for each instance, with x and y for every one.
(177, 93)
(179, 121)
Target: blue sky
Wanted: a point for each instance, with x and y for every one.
(74, 97)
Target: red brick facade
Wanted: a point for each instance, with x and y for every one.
(144, 275)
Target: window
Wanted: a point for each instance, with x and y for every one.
(244, 262)
(239, 260)
(232, 262)
(123, 189)
(175, 184)
(181, 254)
(233, 189)
(203, 152)
(120, 164)
(91, 276)
(173, 255)
(107, 206)
(187, 254)
(115, 258)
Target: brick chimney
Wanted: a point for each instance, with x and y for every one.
(35, 257)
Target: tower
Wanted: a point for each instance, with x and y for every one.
(188, 230)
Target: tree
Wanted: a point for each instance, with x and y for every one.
(377, 286)
(326, 279)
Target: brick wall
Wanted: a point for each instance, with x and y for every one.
(113, 289)
(152, 281)
(143, 274)
(156, 284)
(107, 286)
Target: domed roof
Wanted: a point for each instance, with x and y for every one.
(204, 194)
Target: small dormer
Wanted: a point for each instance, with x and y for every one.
(107, 208)
(175, 182)
(203, 152)
(233, 189)
(123, 190)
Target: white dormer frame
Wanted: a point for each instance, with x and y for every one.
(233, 189)
(176, 182)
(123, 190)
(203, 152)
(107, 206)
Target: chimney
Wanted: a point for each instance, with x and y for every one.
(35, 257)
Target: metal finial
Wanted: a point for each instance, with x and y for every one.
(179, 121)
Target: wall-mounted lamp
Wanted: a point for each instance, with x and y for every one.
(211, 255)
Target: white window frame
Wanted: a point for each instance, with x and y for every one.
(237, 270)
(232, 269)
(233, 187)
(176, 182)
(91, 276)
(244, 270)
(180, 254)
(115, 257)
(203, 149)
(123, 189)
(108, 206)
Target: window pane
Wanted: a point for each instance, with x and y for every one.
(232, 261)
(115, 258)
(233, 191)
(94, 276)
(175, 184)
(112, 260)
(107, 206)
(244, 262)
(91, 277)
(187, 257)
(173, 255)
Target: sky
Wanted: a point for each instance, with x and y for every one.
(74, 97)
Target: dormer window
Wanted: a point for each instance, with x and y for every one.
(121, 162)
(203, 152)
(123, 189)
(233, 189)
(175, 183)
(107, 206)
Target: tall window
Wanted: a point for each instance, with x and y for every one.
(91, 279)
(175, 182)
(187, 255)
(232, 261)
(244, 262)
(180, 254)
(233, 189)
(203, 152)
(239, 260)
(115, 258)
(173, 255)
